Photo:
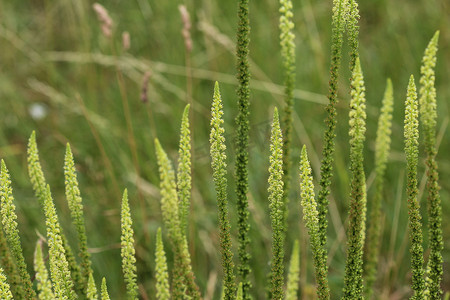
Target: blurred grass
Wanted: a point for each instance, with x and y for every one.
(53, 55)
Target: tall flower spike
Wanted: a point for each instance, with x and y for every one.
(184, 171)
(162, 276)
(219, 166)
(74, 200)
(59, 267)
(415, 226)
(10, 269)
(127, 250)
(352, 16)
(91, 291)
(353, 283)
(382, 147)
(288, 53)
(326, 167)
(9, 222)
(183, 276)
(310, 216)
(428, 116)
(40, 189)
(293, 275)
(105, 295)
(242, 124)
(5, 292)
(44, 285)
(276, 207)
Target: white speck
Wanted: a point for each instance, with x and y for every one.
(38, 111)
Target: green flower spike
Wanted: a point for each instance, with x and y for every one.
(9, 222)
(162, 276)
(415, 225)
(276, 206)
(293, 275)
(59, 266)
(382, 147)
(5, 292)
(310, 216)
(219, 166)
(353, 283)
(91, 288)
(184, 170)
(127, 250)
(44, 285)
(74, 200)
(428, 116)
(10, 269)
(326, 167)
(242, 124)
(288, 54)
(105, 295)
(183, 276)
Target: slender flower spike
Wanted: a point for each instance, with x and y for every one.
(382, 147)
(352, 19)
(428, 114)
(293, 275)
(162, 276)
(184, 171)
(42, 193)
(415, 225)
(9, 222)
(10, 269)
(276, 207)
(288, 53)
(242, 124)
(91, 288)
(353, 284)
(44, 285)
(326, 167)
(59, 266)
(105, 295)
(127, 250)
(310, 216)
(184, 279)
(219, 166)
(74, 200)
(5, 292)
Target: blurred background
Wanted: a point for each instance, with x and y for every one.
(110, 91)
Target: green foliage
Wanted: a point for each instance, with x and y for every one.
(184, 170)
(382, 147)
(242, 124)
(353, 283)
(293, 275)
(9, 222)
(411, 134)
(105, 295)
(91, 288)
(276, 206)
(219, 165)
(127, 250)
(310, 216)
(5, 292)
(288, 53)
(74, 201)
(326, 168)
(44, 285)
(162, 275)
(428, 116)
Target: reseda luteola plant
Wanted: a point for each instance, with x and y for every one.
(69, 278)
